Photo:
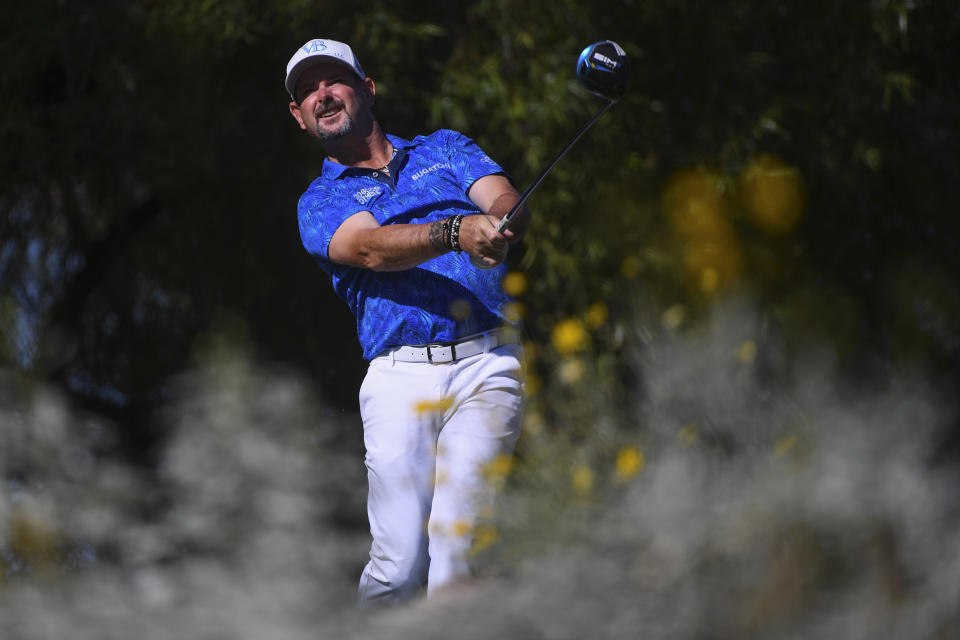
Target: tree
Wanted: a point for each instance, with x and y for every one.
(151, 175)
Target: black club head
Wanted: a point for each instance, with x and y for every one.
(602, 69)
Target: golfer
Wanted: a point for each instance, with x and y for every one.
(395, 224)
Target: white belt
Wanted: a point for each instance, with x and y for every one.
(453, 351)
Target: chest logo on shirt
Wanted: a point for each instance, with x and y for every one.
(436, 167)
(367, 194)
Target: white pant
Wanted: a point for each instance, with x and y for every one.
(431, 431)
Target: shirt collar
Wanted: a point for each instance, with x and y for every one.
(333, 170)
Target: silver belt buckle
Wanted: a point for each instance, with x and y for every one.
(431, 347)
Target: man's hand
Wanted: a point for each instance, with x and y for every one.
(480, 239)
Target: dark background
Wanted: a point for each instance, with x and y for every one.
(151, 174)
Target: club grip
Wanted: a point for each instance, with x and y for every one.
(507, 219)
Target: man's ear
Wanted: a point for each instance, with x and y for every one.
(295, 112)
(370, 90)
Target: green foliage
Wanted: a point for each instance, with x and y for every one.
(677, 450)
(151, 174)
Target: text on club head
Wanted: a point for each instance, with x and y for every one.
(607, 62)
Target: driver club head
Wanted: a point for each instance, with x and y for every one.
(602, 69)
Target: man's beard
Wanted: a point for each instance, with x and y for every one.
(325, 135)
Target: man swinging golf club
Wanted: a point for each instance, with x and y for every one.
(395, 224)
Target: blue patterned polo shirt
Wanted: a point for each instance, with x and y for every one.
(440, 300)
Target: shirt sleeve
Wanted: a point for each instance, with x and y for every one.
(468, 160)
(320, 213)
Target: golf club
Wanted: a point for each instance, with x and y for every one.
(602, 70)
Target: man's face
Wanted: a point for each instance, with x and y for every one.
(331, 101)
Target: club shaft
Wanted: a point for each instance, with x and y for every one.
(507, 219)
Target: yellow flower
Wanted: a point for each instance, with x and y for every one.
(597, 314)
(673, 317)
(709, 280)
(35, 538)
(429, 406)
(497, 471)
(713, 264)
(747, 351)
(532, 384)
(582, 479)
(688, 435)
(630, 462)
(694, 205)
(772, 194)
(630, 268)
(533, 424)
(515, 283)
(484, 535)
(785, 444)
(514, 311)
(529, 350)
(570, 336)
(571, 371)
(461, 528)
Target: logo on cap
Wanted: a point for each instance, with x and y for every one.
(314, 46)
(319, 48)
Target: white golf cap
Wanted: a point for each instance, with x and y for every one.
(315, 51)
